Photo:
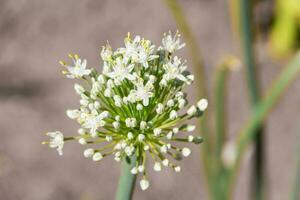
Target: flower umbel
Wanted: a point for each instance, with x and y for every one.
(136, 106)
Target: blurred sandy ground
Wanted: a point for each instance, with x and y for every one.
(35, 34)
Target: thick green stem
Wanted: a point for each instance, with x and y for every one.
(246, 30)
(127, 180)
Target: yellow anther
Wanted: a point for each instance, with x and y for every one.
(62, 63)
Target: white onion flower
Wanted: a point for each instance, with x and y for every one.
(56, 141)
(78, 70)
(171, 44)
(134, 107)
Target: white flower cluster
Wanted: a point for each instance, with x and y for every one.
(135, 107)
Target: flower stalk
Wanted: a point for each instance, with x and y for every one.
(127, 180)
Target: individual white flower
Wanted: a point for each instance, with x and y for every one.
(117, 118)
(171, 44)
(130, 135)
(104, 114)
(84, 102)
(143, 125)
(174, 69)
(202, 104)
(108, 138)
(186, 152)
(88, 153)
(139, 106)
(175, 130)
(141, 168)
(129, 150)
(173, 115)
(96, 89)
(106, 53)
(78, 88)
(134, 170)
(156, 131)
(121, 71)
(110, 84)
(93, 123)
(168, 146)
(116, 125)
(190, 79)
(73, 114)
(164, 149)
(165, 162)
(97, 156)
(79, 69)
(141, 137)
(130, 122)
(170, 103)
(118, 156)
(142, 92)
(159, 108)
(163, 82)
(190, 128)
(190, 138)
(145, 53)
(101, 79)
(169, 135)
(157, 166)
(107, 92)
(81, 131)
(82, 141)
(177, 169)
(146, 147)
(192, 110)
(144, 183)
(152, 79)
(106, 68)
(181, 103)
(131, 48)
(56, 141)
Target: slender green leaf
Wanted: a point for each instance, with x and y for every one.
(247, 42)
(262, 110)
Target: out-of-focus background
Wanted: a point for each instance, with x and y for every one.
(35, 35)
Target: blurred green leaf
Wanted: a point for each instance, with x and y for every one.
(262, 110)
(220, 88)
(295, 194)
(285, 33)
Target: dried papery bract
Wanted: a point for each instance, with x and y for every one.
(135, 106)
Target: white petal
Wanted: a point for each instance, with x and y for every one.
(202, 104)
(186, 152)
(144, 184)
